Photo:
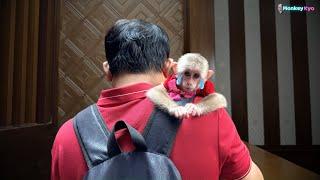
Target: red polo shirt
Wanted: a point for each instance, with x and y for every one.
(206, 147)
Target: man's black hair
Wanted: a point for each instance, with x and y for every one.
(136, 46)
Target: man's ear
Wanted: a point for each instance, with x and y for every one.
(170, 67)
(107, 71)
(174, 67)
(210, 74)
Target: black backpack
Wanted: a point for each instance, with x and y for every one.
(104, 158)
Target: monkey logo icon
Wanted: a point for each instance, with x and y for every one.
(280, 8)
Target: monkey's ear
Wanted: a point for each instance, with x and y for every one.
(107, 71)
(210, 74)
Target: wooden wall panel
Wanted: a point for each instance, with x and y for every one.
(47, 86)
(25, 139)
(20, 62)
(7, 33)
(32, 61)
(199, 27)
(84, 25)
(29, 51)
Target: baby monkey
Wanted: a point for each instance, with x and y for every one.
(190, 82)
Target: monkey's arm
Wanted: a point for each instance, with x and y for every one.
(211, 103)
(208, 104)
(159, 96)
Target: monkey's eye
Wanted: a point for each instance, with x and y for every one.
(196, 76)
(187, 74)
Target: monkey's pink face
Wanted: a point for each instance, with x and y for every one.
(190, 80)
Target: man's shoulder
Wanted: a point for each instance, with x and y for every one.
(67, 160)
(65, 134)
(219, 113)
(217, 118)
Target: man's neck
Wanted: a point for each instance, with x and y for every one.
(129, 79)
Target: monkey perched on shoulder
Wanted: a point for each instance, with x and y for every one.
(191, 80)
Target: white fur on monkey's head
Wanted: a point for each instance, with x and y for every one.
(191, 61)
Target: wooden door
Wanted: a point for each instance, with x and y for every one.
(28, 67)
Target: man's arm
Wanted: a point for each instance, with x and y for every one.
(254, 173)
(237, 163)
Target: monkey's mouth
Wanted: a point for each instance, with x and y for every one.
(189, 89)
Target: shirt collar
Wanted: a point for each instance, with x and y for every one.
(116, 96)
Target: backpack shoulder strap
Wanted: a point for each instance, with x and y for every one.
(161, 129)
(92, 135)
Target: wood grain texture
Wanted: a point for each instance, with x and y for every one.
(199, 28)
(84, 25)
(20, 63)
(7, 33)
(27, 139)
(275, 167)
(32, 61)
(47, 86)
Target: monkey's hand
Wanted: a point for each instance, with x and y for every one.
(179, 112)
(193, 109)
